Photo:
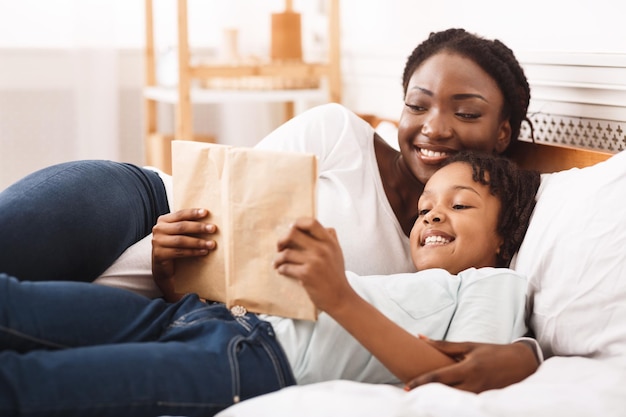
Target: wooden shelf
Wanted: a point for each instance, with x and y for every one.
(204, 95)
(189, 75)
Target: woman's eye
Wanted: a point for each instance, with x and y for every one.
(468, 116)
(415, 108)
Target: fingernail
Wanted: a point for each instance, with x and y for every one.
(210, 228)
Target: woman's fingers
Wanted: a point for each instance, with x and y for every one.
(182, 234)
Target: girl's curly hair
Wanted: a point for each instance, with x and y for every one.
(516, 188)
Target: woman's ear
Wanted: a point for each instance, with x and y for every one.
(504, 136)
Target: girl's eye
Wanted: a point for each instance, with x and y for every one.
(422, 212)
(460, 207)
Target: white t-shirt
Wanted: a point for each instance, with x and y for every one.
(482, 305)
(351, 198)
(350, 191)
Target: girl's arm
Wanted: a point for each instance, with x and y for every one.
(178, 235)
(311, 254)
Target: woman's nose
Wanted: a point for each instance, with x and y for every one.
(436, 127)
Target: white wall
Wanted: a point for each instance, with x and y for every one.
(71, 70)
(377, 43)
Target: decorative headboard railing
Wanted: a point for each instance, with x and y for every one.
(577, 99)
(581, 132)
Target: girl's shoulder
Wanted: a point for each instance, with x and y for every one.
(472, 275)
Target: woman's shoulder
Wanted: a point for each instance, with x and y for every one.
(335, 116)
(320, 130)
(329, 110)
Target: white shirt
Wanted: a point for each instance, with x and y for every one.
(350, 194)
(482, 305)
(350, 198)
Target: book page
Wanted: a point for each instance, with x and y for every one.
(253, 196)
(267, 191)
(197, 172)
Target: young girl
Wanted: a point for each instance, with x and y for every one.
(81, 349)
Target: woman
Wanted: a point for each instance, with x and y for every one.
(461, 92)
(472, 94)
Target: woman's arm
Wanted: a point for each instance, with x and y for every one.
(178, 235)
(312, 255)
(481, 366)
(491, 308)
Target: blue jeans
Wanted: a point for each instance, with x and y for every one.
(77, 349)
(71, 221)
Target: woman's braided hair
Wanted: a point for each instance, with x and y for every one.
(516, 188)
(494, 57)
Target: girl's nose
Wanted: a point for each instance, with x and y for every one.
(433, 216)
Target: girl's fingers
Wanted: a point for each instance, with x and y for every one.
(311, 227)
(290, 270)
(289, 257)
(304, 232)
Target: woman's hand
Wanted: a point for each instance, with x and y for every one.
(311, 254)
(178, 235)
(480, 366)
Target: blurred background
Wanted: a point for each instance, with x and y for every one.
(72, 72)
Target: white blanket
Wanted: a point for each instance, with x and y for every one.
(563, 386)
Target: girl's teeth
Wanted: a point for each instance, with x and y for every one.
(436, 240)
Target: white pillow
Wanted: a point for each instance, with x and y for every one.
(574, 255)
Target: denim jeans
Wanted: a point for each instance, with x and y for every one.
(78, 349)
(71, 221)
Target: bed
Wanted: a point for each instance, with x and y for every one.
(574, 254)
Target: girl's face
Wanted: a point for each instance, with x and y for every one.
(451, 104)
(457, 224)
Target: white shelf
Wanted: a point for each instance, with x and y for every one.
(205, 95)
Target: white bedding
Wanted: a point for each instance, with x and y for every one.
(563, 386)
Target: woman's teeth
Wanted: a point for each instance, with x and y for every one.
(432, 154)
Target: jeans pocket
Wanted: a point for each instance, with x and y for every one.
(258, 364)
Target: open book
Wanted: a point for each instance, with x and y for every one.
(252, 196)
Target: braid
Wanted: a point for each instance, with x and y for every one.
(516, 188)
(494, 57)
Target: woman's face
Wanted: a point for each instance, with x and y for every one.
(451, 104)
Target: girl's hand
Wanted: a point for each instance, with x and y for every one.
(178, 235)
(311, 254)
